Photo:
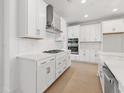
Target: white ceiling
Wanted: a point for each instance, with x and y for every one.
(73, 10)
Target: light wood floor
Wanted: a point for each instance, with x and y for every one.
(79, 78)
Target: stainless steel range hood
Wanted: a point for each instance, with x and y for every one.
(53, 20)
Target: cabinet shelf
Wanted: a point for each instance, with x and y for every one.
(111, 33)
(32, 37)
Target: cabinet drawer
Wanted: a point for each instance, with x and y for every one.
(59, 64)
(58, 72)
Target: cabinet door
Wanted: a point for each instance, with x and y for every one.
(113, 26)
(31, 17)
(76, 30)
(92, 56)
(56, 21)
(41, 18)
(98, 33)
(73, 31)
(84, 55)
(87, 55)
(91, 32)
(70, 32)
(41, 76)
(107, 27)
(50, 71)
(69, 59)
(119, 25)
(83, 33)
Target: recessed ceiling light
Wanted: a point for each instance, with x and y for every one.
(86, 15)
(83, 1)
(115, 10)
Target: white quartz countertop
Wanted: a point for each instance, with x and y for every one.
(38, 56)
(117, 68)
(115, 62)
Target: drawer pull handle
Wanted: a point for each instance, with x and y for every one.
(48, 70)
(60, 63)
(52, 59)
(43, 62)
(59, 72)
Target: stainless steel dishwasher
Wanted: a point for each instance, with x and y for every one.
(110, 82)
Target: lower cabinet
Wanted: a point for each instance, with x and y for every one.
(86, 55)
(36, 76)
(62, 63)
(45, 74)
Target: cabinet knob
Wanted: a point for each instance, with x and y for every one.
(37, 31)
(113, 29)
(48, 70)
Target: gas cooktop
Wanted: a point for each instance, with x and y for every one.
(53, 51)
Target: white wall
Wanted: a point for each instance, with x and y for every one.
(15, 46)
(1, 45)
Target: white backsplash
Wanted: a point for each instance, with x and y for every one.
(29, 45)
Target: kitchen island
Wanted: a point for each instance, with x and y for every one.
(115, 63)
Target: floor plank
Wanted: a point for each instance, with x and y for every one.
(79, 78)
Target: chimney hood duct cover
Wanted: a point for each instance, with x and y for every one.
(49, 16)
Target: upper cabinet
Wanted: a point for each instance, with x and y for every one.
(31, 18)
(63, 27)
(56, 21)
(73, 31)
(90, 33)
(113, 26)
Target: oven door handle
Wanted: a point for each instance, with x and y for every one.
(109, 79)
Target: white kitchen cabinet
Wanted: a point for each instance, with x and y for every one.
(31, 18)
(73, 31)
(84, 55)
(90, 33)
(50, 68)
(45, 74)
(62, 63)
(41, 76)
(37, 73)
(92, 56)
(69, 59)
(89, 55)
(75, 57)
(83, 33)
(98, 32)
(36, 76)
(56, 21)
(113, 26)
(63, 27)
